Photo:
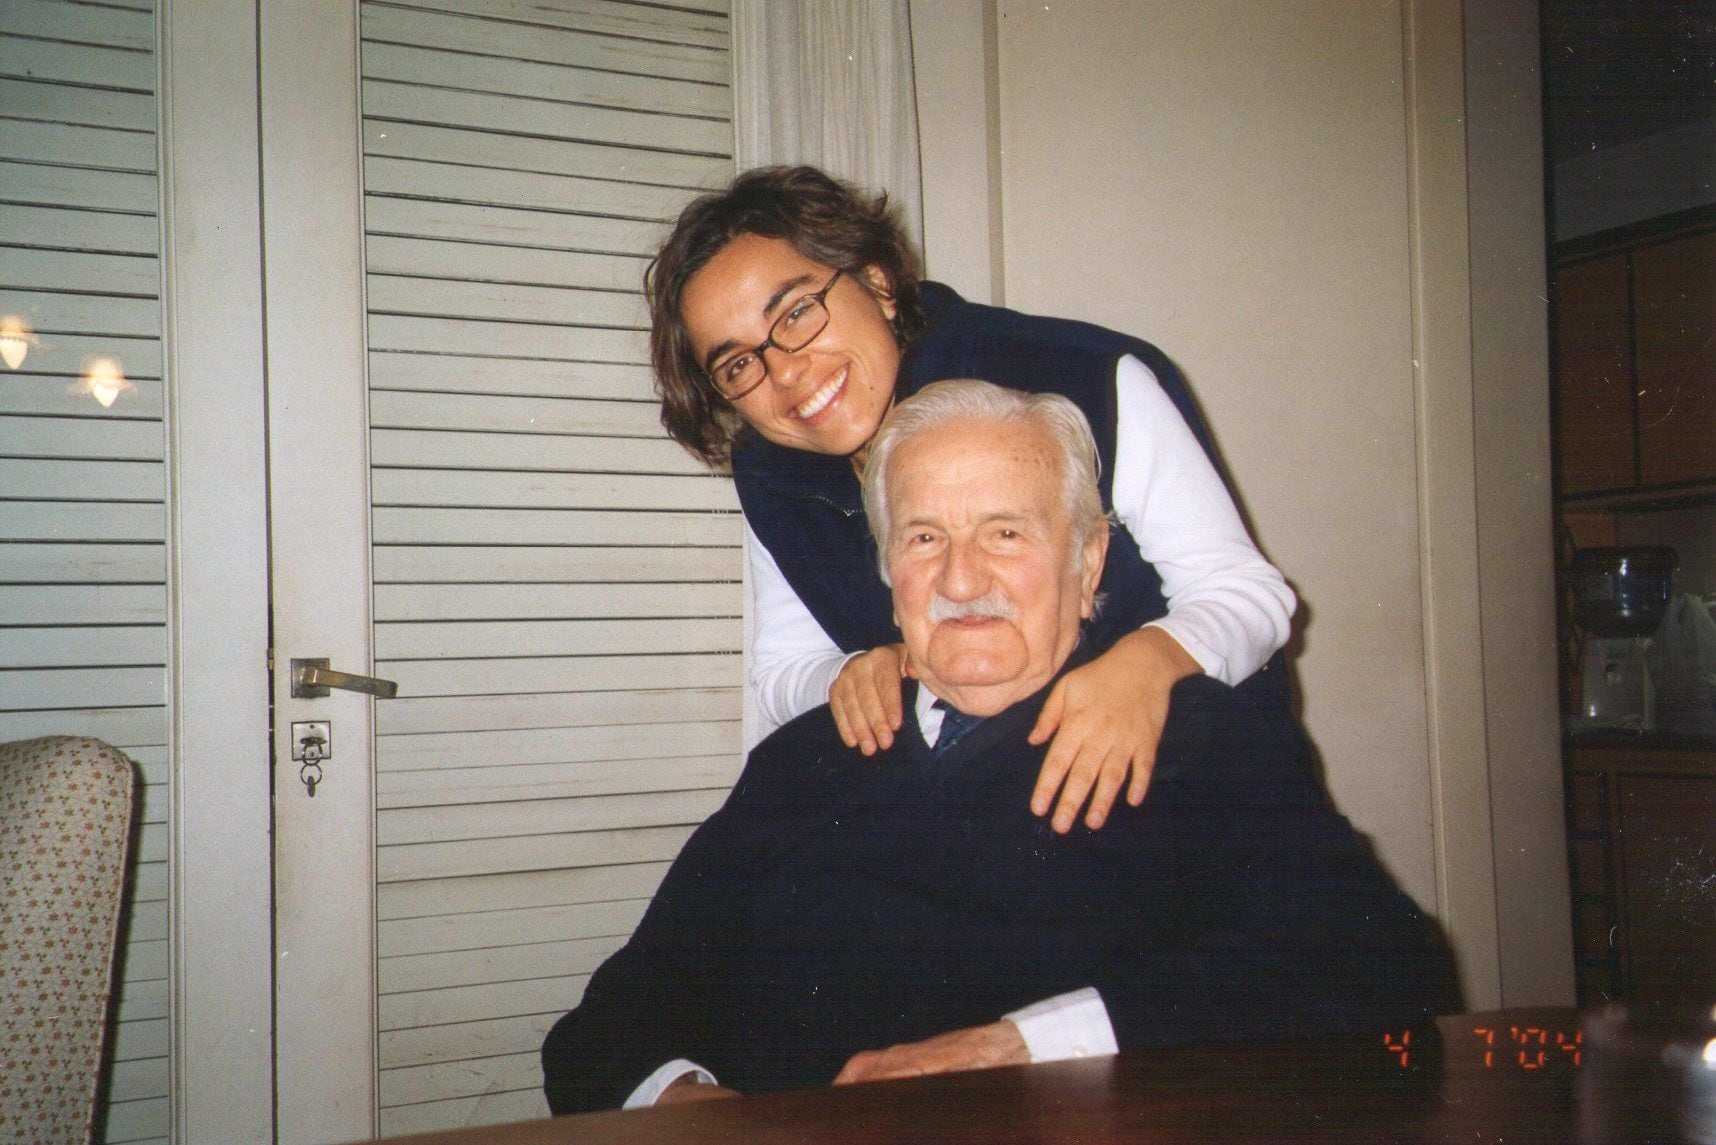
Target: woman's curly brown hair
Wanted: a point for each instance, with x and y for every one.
(825, 219)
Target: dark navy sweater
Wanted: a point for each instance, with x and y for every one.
(838, 903)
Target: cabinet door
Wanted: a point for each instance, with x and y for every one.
(1675, 290)
(1666, 858)
(1594, 412)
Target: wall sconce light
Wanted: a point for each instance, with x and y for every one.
(104, 381)
(15, 340)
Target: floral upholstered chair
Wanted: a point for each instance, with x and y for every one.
(65, 828)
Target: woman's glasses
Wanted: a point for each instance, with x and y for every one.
(745, 370)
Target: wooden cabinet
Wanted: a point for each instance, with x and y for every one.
(1674, 291)
(1642, 839)
(1635, 364)
(1634, 358)
(1595, 417)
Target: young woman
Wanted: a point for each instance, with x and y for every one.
(787, 315)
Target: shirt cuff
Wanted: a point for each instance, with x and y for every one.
(645, 1095)
(1071, 1025)
(833, 668)
(1211, 661)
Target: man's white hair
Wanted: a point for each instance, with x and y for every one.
(965, 399)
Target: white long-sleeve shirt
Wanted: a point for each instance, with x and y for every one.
(1071, 1025)
(1227, 606)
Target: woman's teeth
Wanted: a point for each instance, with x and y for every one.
(820, 399)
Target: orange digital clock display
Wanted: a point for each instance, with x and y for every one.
(1529, 1047)
(1400, 1045)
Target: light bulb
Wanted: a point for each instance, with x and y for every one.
(14, 341)
(104, 381)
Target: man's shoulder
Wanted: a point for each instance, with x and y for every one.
(810, 731)
(1221, 737)
(802, 759)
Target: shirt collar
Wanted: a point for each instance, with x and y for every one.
(929, 716)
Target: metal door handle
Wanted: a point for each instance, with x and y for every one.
(311, 680)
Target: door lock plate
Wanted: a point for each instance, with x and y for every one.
(312, 740)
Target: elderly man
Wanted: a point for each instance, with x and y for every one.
(849, 918)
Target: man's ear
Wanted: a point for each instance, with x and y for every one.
(876, 280)
(1095, 554)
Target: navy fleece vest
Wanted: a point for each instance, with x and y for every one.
(807, 510)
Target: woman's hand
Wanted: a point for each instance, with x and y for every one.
(977, 1047)
(1106, 718)
(866, 698)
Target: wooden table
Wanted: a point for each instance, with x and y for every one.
(1505, 1076)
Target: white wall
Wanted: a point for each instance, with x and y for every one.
(1201, 181)
(1277, 195)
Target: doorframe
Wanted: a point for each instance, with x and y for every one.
(272, 996)
(220, 994)
(319, 511)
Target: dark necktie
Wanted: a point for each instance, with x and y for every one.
(954, 725)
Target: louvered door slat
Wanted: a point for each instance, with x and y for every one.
(598, 744)
(508, 301)
(54, 103)
(489, 413)
(481, 186)
(576, 78)
(619, 36)
(494, 525)
(521, 453)
(511, 890)
(98, 148)
(112, 439)
(407, 862)
(113, 26)
(69, 62)
(44, 270)
(527, 564)
(496, 262)
(66, 355)
(500, 601)
(435, 1020)
(463, 372)
(56, 186)
(505, 782)
(542, 677)
(78, 230)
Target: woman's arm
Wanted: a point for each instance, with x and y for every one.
(792, 661)
(1227, 606)
(795, 666)
(1228, 611)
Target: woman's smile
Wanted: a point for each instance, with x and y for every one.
(818, 401)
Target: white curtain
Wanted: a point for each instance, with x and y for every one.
(829, 83)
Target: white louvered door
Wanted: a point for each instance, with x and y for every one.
(556, 587)
(83, 520)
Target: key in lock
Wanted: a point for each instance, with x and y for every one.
(312, 743)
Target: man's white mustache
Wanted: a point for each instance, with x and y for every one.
(992, 605)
